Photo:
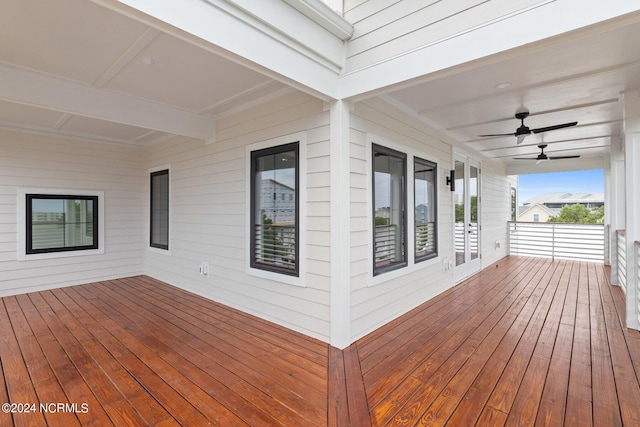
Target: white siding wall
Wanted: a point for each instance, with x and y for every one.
(209, 215)
(376, 301)
(384, 29)
(496, 211)
(32, 161)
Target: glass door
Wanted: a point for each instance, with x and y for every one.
(466, 199)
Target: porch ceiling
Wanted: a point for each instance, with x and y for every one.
(75, 68)
(578, 76)
(114, 76)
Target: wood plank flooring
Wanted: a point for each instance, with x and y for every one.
(525, 342)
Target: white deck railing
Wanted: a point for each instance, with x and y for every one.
(621, 245)
(581, 242)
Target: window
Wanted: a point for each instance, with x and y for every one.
(389, 209)
(536, 217)
(425, 197)
(59, 223)
(159, 219)
(275, 220)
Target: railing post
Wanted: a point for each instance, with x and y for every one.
(553, 241)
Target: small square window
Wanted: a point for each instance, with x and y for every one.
(57, 223)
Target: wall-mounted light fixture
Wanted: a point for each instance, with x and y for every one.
(451, 180)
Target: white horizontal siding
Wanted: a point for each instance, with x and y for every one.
(374, 303)
(209, 215)
(32, 161)
(383, 30)
(495, 212)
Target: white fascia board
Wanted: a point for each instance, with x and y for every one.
(44, 91)
(267, 36)
(543, 21)
(324, 16)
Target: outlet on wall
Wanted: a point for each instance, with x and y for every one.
(203, 269)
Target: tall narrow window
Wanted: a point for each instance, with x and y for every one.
(159, 232)
(274, 209)
(57, 223)
(425, 195)
(389, 209)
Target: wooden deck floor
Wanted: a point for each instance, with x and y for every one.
(526, 342)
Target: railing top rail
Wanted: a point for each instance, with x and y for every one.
(549, 224)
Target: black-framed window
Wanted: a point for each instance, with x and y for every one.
(425, 208)
(159, 217)
(389, 209)
(59, 223)
(275, 209)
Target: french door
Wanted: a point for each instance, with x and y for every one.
(466, 199)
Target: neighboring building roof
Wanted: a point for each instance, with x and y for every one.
(566, 198)
(524, 209)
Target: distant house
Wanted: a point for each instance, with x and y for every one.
(278, 201)
(535, 213)
(540, 208)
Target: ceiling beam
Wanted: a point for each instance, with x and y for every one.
(44, 91)
(285, 44)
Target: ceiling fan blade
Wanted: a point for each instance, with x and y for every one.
(525, 158)
(554, 127)
(563, 157)
(499, 134)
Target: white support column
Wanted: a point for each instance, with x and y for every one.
(632, 174)
(615, 204)
(340, 226)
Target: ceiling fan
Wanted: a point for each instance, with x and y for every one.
(542, 156)
(523, 131)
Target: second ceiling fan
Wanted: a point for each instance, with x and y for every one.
(523, 131)
(543, 156)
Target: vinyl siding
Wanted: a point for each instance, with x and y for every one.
(386, 29)
(209, 215)
(375, 302)
(33, 161)
(496, 211)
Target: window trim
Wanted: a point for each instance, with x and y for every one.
(376, 148)
(425, 162)
(411, 151)
(255, 155)
(152, 174)
(21, 203)
(277, 278)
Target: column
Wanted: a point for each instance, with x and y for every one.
(340, 225)
(631, 135)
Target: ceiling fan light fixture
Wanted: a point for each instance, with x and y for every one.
(521, 138)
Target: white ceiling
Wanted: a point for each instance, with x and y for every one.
(574, 77)
(106, 55)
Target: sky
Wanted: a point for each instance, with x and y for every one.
(532, 185)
